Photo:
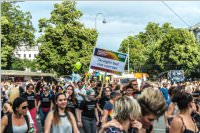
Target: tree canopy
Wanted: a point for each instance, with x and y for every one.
(64, 40)
(16, 29)
(163, 48)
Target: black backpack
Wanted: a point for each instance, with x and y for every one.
(9, 129)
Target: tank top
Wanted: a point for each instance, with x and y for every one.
(187, 130)
(63, 127)
(20, 129)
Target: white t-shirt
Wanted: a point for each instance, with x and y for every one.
(82, 91)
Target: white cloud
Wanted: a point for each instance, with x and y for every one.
(122, 16)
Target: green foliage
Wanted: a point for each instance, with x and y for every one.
(136, 51)
(178, 50)
(65, 40)
(22, 64)
(162, 48)
(16, 29)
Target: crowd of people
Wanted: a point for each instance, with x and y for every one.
(92, 106)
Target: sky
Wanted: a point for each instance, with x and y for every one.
(123, 17)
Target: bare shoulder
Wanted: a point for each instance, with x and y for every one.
(70, 114)
(50, 114)
(177, 122)
(4, 121)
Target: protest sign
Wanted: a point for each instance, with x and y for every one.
(108, 61)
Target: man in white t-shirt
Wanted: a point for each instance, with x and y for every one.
(80, 92)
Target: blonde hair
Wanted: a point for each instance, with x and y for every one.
(152, 101)
(126, 108)
(13, 93)
(189, 89)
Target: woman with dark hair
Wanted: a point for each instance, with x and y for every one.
(59, 89)
(183, 122)
(32, 103)
(45, 104)
(72, 102)
(60, 120)
(102, 101)
(18, 121)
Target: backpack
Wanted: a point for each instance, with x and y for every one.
(9, 129)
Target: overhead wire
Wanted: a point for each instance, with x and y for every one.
(174, 12)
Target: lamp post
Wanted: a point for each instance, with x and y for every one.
(129, 51)
(103, 21)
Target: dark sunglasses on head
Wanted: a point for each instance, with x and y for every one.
(24, 107)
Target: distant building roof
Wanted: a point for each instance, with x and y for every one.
(24, 73)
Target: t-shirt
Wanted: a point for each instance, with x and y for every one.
(72, 106)
(45, 101)
(82, 91)
(78, 97)
(109, 107)
(103, 101)
(30, 99)
(164, 92)
(88, 108)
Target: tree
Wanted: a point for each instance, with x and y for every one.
(136, 48)
(22, 64)
(177, 50)
(65, 40)
(162, 48)
(16, 29)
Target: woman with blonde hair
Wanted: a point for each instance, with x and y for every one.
(125, 112)
(152, 104)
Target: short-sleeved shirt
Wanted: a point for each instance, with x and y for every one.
(45, 101)
(164, 92)
(103, 101)
(88, 108)
(30, 99)
(82, 91)
(72, 106)
(109, 107)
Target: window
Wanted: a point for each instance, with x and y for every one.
(34, 55)
(19, 55)
(24, 55)
(29, 55)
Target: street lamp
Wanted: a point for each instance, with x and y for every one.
(130, 32)
(103, 21)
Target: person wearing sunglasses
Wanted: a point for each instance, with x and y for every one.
(18, 121)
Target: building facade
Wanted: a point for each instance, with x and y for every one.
(196, 30)
(26, 52)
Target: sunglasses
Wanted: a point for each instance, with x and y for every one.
(24, 107)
